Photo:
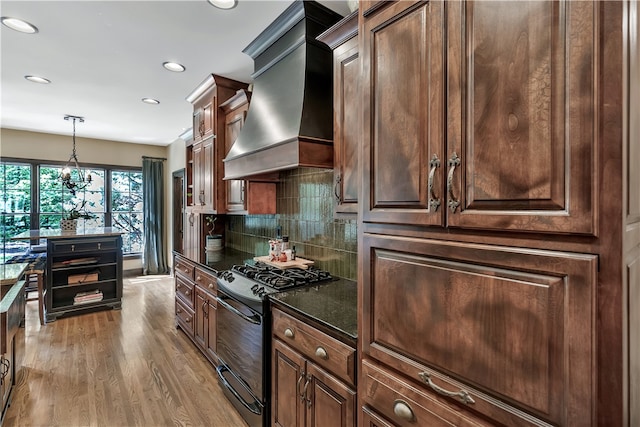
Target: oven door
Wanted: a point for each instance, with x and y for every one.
(239, 339)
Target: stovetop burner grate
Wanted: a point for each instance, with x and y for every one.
(281, 278)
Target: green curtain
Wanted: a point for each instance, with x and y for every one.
(154, 257)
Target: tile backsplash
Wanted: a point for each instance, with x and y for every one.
(304, 206)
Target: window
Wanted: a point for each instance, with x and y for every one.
(15, 206)
(126, 208)
(55, 199)
(33, 197)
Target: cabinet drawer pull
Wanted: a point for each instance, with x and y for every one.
(187, 292)
(210, 285)
(434, 202)
(322, 353)
(453, 202)
(99, 246)
(198, 278)
(73, 248)
(288, 333)
(462, 395)
(403, 410)
(301, 394)
(179, 311)
(188, 319)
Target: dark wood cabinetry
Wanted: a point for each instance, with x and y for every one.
(313, 376)
(258, 195)
(343, 39)
(206, 151)
(494, 213)
(83, 273)
(196, 305)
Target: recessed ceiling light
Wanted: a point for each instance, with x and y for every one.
(37, 79)
(150, 101)
(173, 66)
(19, 25)
(223, 4)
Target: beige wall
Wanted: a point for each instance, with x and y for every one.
(43, 146)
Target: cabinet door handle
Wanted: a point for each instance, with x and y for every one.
(453, 202)
(322, 353)
(304, 391)
(337, 186)
(204, 309)
(462, 395)
(403, 410)
(301, 394)
(434, 202)
(288, 333)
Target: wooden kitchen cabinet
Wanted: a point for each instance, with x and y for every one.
(192, 244)
(312, 376)
(205, 153)
(342, 38)
(184, 270)
(427, 132)
(196, 307)
(205, 313)
(499, 242)
(258, 195)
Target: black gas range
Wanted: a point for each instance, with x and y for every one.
(243, 332)
(252, 283)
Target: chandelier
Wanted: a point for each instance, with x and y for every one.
(72, 163)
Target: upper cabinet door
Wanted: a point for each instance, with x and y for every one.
(521, 130)
(402, 86)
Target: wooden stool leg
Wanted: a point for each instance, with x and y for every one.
(41, 299)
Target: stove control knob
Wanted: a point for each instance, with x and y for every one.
(254, 288)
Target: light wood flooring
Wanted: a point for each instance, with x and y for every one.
(128, 367)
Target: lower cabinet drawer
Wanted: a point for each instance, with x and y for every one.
(405, 405)
(184, 317)
(184, 291)
(205, 279)
(326, 351)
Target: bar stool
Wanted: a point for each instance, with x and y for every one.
(34, 277)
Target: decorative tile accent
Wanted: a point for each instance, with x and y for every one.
(305, 206)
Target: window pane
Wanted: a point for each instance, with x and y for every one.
(15, 207)
(126, 205)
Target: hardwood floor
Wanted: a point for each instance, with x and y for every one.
(128, 367)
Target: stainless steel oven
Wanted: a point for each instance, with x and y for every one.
(243, 333)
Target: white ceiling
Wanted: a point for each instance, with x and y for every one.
(103, 57)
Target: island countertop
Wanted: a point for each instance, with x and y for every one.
(10, 273)
(56, 233)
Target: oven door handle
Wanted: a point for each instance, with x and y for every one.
(253, 319)
(253, 407)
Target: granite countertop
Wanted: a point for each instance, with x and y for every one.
(10, 273)
(56, 233)
(224, 259)
(333, 304)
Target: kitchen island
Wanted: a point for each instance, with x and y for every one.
(12, 306)
(84, 269)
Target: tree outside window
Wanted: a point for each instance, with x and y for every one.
(126, 208)
(15, 207)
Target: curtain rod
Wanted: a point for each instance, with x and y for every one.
(154, 158)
